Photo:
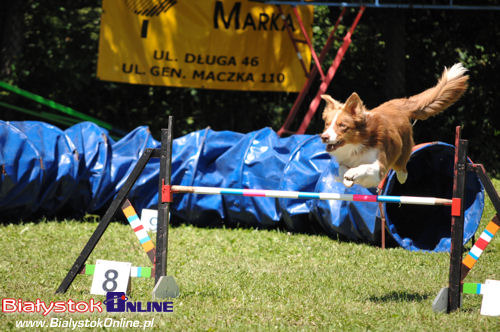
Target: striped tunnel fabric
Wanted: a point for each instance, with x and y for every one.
(477, 249)
(135, 271)
(142, 235)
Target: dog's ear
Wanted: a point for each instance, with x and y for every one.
(331, 104)
(354, 105)
(332, 101)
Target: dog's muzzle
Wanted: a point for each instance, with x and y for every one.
(330, 147)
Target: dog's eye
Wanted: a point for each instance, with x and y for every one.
(342, 125)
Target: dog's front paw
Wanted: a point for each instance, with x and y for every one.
(364, 175)
(350, 177)
(348, 183)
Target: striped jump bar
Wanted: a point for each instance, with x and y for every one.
(477, 249)
(311, 195)
(142, 235)
(135, 271)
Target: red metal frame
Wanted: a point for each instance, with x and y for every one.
(294, 41)
(308, 41)
(310, 79)
(327, 79)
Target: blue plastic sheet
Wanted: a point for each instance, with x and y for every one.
(46, 171)
(58, 164)
(21, 173)
(304, 167)
(198, 159)
(94, 147)
(355, 221)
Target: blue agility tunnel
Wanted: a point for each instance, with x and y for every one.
(47, 171)
(430, 172)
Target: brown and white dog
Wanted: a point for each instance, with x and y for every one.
(367, 143)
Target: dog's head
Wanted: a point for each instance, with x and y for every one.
(344, 123)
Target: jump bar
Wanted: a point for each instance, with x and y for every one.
(311, 195)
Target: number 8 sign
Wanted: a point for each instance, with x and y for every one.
(110, 276)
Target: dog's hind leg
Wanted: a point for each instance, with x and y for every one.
(402, 176)
(400, 166)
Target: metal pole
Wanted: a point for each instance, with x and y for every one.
(164, 200)
(330, 74)
(165, 286)
(285, 129)
(457, 223)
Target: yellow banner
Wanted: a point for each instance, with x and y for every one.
(230, 45)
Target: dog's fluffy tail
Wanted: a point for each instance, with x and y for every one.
(450, 87)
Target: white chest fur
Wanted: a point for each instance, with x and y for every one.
(352, 155)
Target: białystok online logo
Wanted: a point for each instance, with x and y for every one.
(39, 306)
(118, 302)
(115, 302)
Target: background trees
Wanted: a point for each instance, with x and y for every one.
(50, 49)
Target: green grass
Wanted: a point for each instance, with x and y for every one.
(244, 279)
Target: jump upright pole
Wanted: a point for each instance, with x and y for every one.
(165, 286)
(448, 299)
(163, 204)
(457, 222)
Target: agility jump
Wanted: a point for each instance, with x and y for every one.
(165, 286)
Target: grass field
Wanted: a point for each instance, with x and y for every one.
(244, 279)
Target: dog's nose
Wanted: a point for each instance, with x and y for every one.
(325, 137)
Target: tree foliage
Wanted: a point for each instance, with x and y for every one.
(50, 48)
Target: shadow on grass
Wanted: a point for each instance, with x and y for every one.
(399, 297)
